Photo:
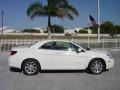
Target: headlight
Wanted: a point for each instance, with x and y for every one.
(109, 55)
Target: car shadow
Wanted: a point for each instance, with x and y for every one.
(50, 71)
(55, 71)
(15, 70)
(62, 71)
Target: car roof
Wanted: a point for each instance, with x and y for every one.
(44, 41)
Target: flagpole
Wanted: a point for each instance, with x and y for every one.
(88, 33)
(98, 21)
(2, 22)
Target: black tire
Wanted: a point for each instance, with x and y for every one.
(96, 66)
(30, 67)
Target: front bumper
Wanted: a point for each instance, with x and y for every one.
(109, 63)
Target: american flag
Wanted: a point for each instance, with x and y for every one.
(93, 22)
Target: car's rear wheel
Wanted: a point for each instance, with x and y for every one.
(96, 66)
(30, 67)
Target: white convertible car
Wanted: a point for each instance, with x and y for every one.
(59, 55)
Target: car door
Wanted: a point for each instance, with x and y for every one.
(67, 57)
(46, 56)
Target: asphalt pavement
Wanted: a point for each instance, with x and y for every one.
(59, 80)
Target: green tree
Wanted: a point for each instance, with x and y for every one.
(117, 28)
(54, 8)
(31, 31)
(57, 29)
(108, 28)
(83, 31)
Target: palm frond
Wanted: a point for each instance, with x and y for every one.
(70, 8)
(35, 9)
(55, 8)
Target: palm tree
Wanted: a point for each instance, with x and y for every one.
(54, 8)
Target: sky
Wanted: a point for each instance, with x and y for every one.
(15, 13)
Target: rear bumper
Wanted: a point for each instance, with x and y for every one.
(12, 62)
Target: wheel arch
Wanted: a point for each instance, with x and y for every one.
(97, 59)
(27, 59)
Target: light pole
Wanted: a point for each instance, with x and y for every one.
(2, 22)
(98, 21)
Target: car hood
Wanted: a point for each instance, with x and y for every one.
(98, 51)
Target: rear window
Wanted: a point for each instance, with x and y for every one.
(47, 45)
(32, 44)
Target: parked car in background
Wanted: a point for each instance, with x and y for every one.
(59, 55)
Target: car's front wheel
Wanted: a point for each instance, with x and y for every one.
(96, 66)
(30, 67)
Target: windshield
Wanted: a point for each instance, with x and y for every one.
(83, 46)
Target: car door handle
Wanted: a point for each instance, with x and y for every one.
(58, 53)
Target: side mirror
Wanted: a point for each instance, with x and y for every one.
(88, 48)
(79, 50)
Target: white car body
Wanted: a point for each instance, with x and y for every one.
(58, 59)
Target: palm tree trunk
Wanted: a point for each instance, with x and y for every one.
(49, 27)
(49, 22)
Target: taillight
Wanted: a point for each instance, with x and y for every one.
(13, 52)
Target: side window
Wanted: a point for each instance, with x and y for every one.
(61, 45)
(47, 45)
(65, 46)
(58, 45)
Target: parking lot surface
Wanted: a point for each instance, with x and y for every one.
(59, 80)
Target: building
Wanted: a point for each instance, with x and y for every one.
(41, 30)
(77, 29)
(7, 29)
(69, 31)
(72, 31)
